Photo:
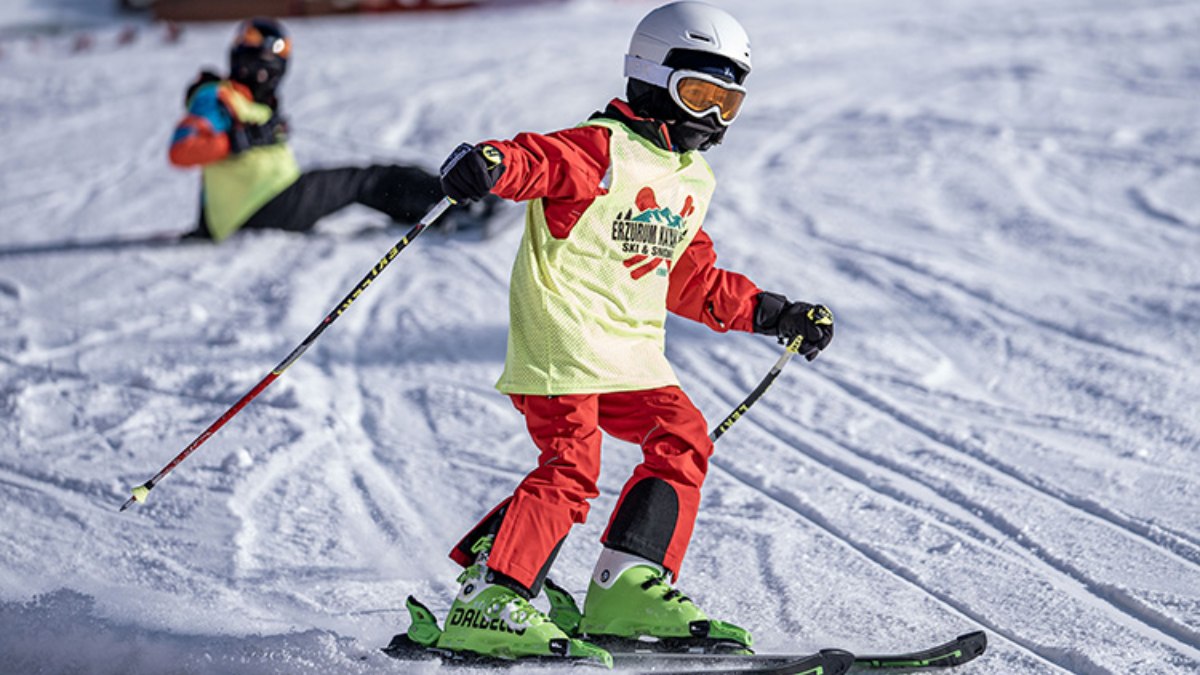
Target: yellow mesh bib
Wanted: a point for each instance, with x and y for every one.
(239, 185)
(587, 312)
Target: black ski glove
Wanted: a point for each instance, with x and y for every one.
(202, 79)
(242, 137)
(775, 315)
(470, 172)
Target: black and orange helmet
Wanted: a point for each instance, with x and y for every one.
(259, 55)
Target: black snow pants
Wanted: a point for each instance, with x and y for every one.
(404, 193)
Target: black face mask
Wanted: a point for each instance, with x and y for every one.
(260, 76)
(696, 134)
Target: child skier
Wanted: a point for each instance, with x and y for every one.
(234, 131)
(613, 240)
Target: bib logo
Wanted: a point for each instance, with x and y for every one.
(651, 234)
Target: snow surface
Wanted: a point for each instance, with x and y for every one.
(998, 198)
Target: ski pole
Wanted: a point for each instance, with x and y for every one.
(819, 315)
(792, 349)
(142, 491)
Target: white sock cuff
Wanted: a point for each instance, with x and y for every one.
(613, 563)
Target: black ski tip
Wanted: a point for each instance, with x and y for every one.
(973, 645)
(836, 661)
(962, 649)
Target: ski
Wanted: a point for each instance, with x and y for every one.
(691, 657)
(825, 662)
(960, 650)
(116, 243)
(675, 656)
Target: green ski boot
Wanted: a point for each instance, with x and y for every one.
(495, 621)
(630, 599)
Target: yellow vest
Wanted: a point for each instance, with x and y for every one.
(587, 312)
(239, 185)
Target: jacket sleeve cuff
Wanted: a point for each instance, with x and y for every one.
(768, 308)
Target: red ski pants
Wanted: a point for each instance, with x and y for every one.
(657, 508)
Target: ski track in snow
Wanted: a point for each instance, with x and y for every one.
(998, 200)
(981, 523)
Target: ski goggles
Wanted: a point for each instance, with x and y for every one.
(699, 94)
(696, 92)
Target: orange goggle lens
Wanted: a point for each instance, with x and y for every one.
(700, 96)
(279, 46)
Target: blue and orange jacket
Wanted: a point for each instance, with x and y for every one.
(235, 186)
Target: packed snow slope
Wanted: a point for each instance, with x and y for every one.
(999, 199)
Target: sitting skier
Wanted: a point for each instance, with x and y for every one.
(234, 131)
(613, 241)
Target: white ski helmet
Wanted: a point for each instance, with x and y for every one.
(687, 25)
